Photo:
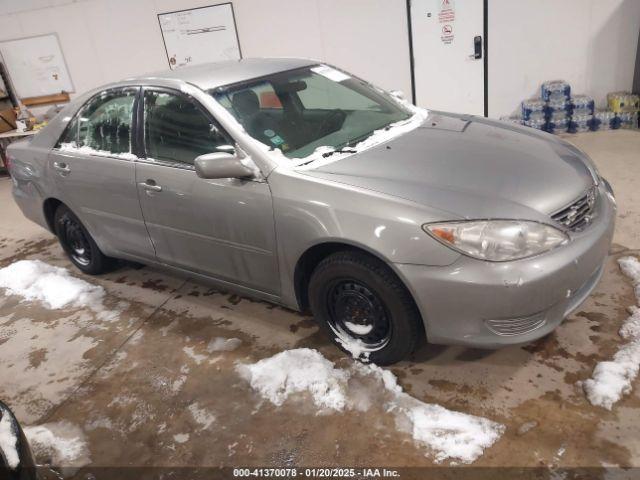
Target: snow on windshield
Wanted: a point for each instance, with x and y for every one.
(323, 156)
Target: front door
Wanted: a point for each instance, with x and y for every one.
(94, 171)
(220, 228)
(448, 54)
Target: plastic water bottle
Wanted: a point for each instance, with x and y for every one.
(582, 123)
(623, 102)
(602, 120)
(628, 120)
(583, 103)
(558, 122)
(539, 124)
(557, 104)
(533, 108)
(555, 89)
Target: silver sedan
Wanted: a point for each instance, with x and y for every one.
(303, 185)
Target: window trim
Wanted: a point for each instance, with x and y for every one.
(75, 116)
(141, 147)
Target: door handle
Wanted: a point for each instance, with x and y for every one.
(477, 48)
(61, 167)
(150, 186)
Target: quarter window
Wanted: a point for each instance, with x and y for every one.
(104, 124)
(177, 130)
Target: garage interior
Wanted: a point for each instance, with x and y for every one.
(148, 376)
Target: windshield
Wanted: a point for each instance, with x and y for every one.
(300, 110)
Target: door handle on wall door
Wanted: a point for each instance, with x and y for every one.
(477, 48)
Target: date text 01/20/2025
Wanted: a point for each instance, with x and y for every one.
(316, 472)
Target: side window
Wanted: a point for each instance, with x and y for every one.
(175, 129)
(105, 122)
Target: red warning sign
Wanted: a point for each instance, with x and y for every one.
(447, 34)
(447, 12)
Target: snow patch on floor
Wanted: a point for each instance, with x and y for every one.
(196, 357)
(8, 440)
(64, 342)
(201, 416)
(613, 379)
(221, 344)
(296, 371)
(60, 444)
(444, 433)
(54, 287)
(181, 438)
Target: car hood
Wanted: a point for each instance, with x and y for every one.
(470, 167)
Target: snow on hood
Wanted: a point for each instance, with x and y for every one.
(444, 433)
(470, 167)
(613, 379)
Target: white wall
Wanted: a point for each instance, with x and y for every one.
(589, 43)
(107, 40)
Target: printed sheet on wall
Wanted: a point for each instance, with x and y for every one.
(36, 66)
(200, 35)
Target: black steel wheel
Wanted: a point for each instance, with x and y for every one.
(78, 243)
(365, 308)
(356, 312)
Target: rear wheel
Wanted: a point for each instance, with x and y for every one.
(78, 243)
(365, 308)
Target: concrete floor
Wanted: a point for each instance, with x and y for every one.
(128, 384)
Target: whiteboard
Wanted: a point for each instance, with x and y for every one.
(36, 66)
(200, 35)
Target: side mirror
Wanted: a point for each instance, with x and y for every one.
(16, 459)
(221, 165)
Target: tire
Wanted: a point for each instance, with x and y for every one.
(78, 243)
(359, 300)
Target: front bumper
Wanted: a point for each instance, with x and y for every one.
(490, 304)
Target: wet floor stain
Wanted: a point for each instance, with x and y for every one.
(148, 388)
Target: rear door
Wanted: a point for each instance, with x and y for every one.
(94, 172)
(220, 228)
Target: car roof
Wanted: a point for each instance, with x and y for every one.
(211, 75)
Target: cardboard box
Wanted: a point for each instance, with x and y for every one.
(7, 120)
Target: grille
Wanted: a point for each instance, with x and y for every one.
(516, 326)
(579, 214)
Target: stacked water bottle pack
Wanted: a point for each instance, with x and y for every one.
(626, 107)
(557, 111)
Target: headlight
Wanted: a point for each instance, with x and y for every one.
(497, 240)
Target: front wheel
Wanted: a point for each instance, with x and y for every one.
(78, 243)
(365, 308)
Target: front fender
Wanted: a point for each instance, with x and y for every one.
(310, 211)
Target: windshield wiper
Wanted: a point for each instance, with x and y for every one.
(361, 138)
(339, 150)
